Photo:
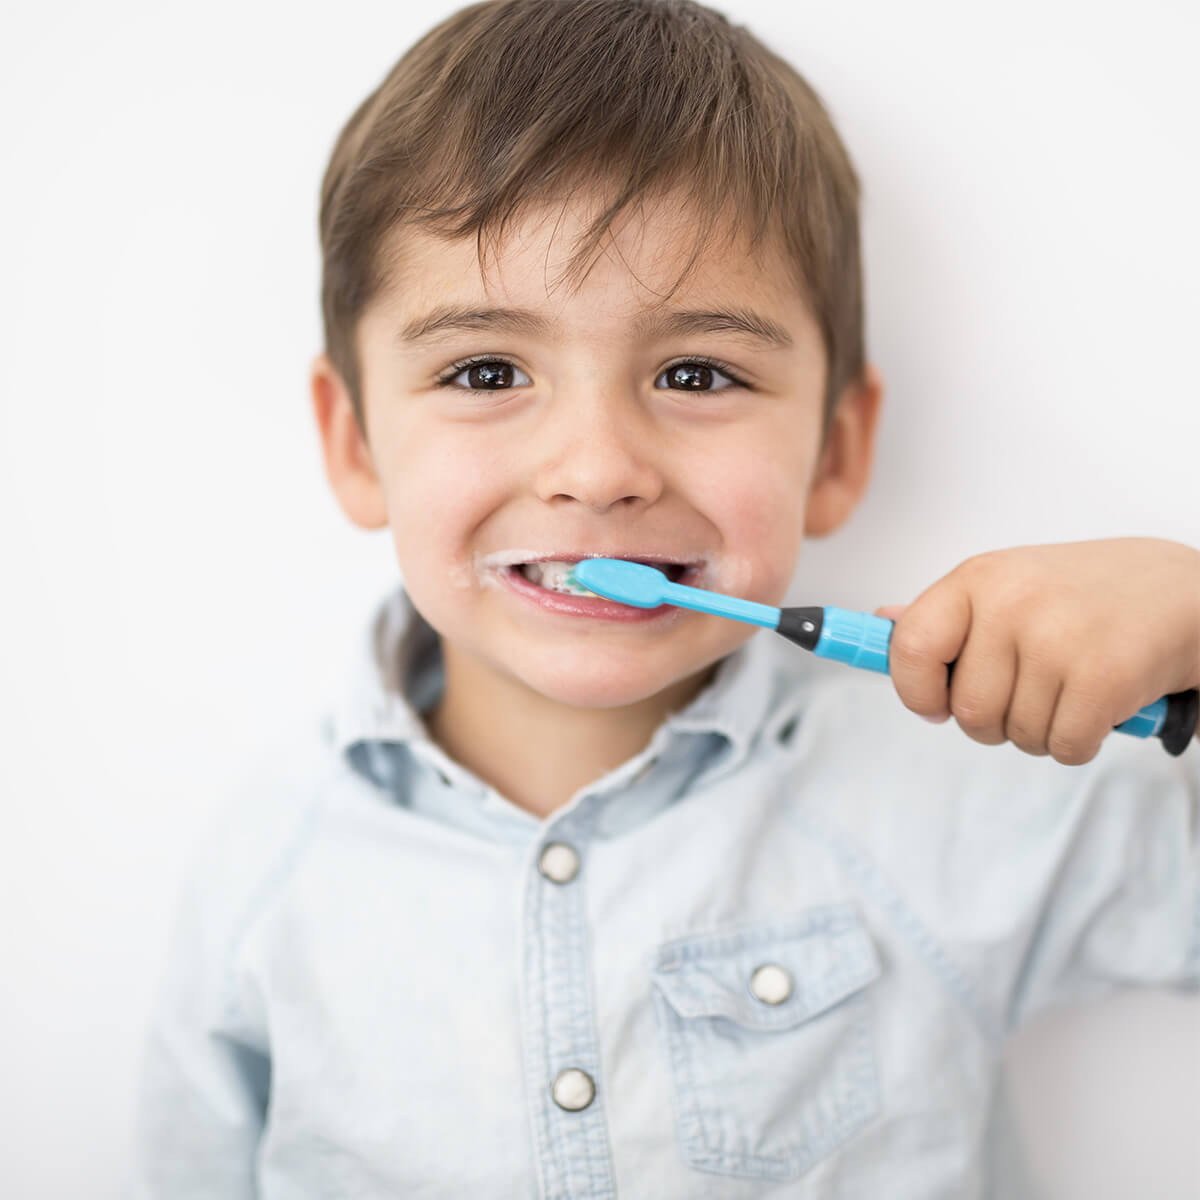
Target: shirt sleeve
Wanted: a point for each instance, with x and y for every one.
(1117, 903)
(1021, 883)
(204, 1082)
(205, 1075)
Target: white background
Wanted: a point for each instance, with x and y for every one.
(177, 574)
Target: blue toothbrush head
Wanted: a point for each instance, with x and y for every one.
(646, 587)
(626, 582)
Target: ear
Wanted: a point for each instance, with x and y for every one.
(844, 466)
(348, 463)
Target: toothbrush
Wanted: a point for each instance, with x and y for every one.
(857, 639)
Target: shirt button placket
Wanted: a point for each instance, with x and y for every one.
(570, 1131)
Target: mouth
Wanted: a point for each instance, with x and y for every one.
(544, 584)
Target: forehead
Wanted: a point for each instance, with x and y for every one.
(635, 271)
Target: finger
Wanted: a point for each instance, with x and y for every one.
(982, 685)
(1031, 710)
(891, 611)
(1081, 721)
(927, 636)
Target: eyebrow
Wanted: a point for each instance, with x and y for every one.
(453, 317)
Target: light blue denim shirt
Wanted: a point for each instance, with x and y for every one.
(774, 954)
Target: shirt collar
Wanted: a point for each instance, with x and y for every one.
(395, 676)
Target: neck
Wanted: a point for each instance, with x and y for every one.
(537, 752)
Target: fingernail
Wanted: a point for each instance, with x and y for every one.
(935, 720)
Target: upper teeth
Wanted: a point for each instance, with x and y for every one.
(553, 575)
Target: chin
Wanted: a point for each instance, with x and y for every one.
(603, 681)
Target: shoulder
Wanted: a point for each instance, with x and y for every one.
(273, 789)
(857, 717)
(258, 831)
(879, 772)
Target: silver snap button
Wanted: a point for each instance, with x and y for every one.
(771, 984)
(573, 1089)
(558, 862)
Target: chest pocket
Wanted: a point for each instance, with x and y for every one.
(768, 1033)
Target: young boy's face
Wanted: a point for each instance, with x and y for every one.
(587, 427)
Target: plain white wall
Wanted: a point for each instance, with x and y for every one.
(178, 575)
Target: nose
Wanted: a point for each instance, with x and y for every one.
(598, 447)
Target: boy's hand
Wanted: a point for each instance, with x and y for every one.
(1052, 645)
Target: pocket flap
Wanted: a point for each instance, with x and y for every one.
(826, 952)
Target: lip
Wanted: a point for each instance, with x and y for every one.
(588, 606)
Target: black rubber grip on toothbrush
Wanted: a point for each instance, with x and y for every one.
(1179, 725)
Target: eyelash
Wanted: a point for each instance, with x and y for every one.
(447, 376)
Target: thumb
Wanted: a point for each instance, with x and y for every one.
(890, 611)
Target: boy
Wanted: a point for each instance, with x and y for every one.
(575, 900)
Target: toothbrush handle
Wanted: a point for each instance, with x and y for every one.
(862, 640)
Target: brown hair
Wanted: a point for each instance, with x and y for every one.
(510, 101)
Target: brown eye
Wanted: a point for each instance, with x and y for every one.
(694, 377)
(491, 375)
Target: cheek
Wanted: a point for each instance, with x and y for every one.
(756, 500)
(438, 491)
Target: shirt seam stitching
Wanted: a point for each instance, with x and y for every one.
(270, 882)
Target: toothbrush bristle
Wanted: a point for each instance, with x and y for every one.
(573, 582)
